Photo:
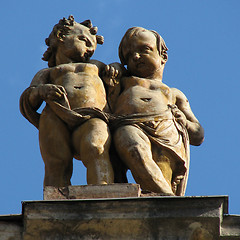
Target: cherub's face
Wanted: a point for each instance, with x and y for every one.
(79, 44)
(141, 54)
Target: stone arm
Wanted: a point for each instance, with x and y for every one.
(40, 90)
(42, 77)
(111, 75)
(184, 114)
(43, 90)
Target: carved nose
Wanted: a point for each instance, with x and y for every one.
(136, 56)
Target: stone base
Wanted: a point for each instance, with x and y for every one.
(11, 227)
(145, 217)
(92, 191)
(163, 218)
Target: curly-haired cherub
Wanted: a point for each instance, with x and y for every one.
(72, 124)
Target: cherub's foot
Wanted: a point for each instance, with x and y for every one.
(146, 193)
(176, 182)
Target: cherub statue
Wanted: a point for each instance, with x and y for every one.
(155, 122)
(73, 123)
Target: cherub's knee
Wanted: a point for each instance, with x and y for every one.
(93, 149)
(131, 138)
(96, 148)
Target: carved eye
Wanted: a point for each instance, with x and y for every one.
(146, 48)
(82, 38)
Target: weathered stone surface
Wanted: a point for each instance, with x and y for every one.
(92, 191)
(72, 81)
(155, 124)
(11, 227)
(164, 218)
(230, 227)
(110, 117)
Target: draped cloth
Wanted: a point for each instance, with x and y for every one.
(161, 128)
(72, 117)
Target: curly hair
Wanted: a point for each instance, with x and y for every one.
(60, 30)
(161, 46)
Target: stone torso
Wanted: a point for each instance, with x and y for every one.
(82, 83)
(142, 95)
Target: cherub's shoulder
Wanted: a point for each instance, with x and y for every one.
(41, 77)
(177, 92)
(178, 96)
(43, 71)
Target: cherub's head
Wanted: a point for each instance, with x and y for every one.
(71, 40)
(143, 51)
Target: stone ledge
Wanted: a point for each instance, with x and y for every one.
(152, 217)
(11, 227)
(230, 227)
(163, 206)
(160, 218)
(92, 191)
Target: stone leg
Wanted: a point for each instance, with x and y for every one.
(91, 142)
(134, 148)
(55, 146)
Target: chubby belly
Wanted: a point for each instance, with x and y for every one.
(138, 99)
(83, 90)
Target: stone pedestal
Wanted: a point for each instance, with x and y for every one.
(130, 216)
(163, 218)
(11, 227)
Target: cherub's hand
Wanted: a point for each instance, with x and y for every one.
(179, 115)
(112, 73)
(51, 92)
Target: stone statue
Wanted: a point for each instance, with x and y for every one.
(155, 123)
(151, 124)
(73, 123)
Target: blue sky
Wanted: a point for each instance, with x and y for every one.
(203, 38)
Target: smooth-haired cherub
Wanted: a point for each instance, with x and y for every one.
(155, 122)
(72, 82)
